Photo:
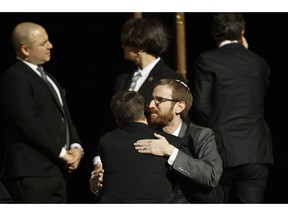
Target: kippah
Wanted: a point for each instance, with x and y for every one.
(184, 84)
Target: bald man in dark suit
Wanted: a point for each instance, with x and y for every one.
(41, 140)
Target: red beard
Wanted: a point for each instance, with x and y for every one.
(156, 119)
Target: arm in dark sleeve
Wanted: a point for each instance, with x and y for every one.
(204, 165)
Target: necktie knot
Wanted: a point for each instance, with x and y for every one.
(42, 72)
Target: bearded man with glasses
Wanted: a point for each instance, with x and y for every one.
(200, 173)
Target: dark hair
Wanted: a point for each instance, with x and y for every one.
(148, 34)
(127, 106)
(180, 92)
(227, 26)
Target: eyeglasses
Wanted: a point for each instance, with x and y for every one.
(159, 100)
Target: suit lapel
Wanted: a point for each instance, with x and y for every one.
(39, 79)
(183, 129)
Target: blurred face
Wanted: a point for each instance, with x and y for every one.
(131, 53)
(160, 110)
(39, 50)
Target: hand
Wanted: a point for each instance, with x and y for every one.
(72, 159)
(159, 147)
(96, 179)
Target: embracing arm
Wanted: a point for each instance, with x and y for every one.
(201, 165)
(205, 165)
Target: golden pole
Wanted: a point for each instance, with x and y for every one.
(181, 44)
(138, 15)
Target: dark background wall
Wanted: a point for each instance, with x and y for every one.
(87, 56)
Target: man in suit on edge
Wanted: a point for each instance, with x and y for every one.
(41, 138)
(229, 86)
(131, 177)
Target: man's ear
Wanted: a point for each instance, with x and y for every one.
(24, 50)
(179, 107)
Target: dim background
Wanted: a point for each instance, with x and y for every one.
(87, 57)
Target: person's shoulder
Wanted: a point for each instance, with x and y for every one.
(13, 70)
(16, 65)
(207, 55)
(109, 134)
(194, 128)
(254, 55)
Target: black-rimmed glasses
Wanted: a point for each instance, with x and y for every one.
(159, 100)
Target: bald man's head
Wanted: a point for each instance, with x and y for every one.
(31, 43)
(23, 34)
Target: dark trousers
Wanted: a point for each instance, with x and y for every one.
(48, 189)
(245, 184)
(5, 197)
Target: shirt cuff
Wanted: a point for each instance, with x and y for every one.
(62, 153)
(77, 145)
(74, 145)
(96, 159)
(171, 159)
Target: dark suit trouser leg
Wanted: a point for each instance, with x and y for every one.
(47, 189)
(245, 184)
(5, 197)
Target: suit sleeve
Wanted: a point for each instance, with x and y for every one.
(204, 166)
(201, 88)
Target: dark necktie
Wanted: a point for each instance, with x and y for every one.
(44, 77)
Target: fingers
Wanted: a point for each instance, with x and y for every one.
(96, 173)
(142, 145)
(143, 142)
(146, 149)
(95, 185)
(98, 165)
(97, 170)
(96, 180)
(76, 153)
(158, 136)
(73, 166)
(97, 176)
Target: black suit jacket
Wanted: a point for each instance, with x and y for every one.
(160, 71)
(229, 86)
(35, 126)
(131, 177)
